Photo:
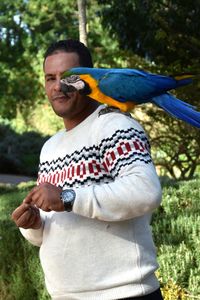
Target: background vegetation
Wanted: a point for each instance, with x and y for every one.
(158, 36)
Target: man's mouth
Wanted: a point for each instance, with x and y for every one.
(61, 98)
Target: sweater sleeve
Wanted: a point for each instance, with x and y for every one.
(135, 188)
(34, 236)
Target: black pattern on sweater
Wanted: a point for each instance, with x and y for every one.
(97, 163)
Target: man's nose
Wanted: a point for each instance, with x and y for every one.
(57, 85)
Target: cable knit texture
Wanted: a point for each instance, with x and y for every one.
(103, 249)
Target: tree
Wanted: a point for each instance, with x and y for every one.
(166, 32)
(82, 21)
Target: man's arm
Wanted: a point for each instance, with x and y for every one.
(127, 197)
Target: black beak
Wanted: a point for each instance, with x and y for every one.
(67, 88)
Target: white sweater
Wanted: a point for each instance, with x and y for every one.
(103, 249)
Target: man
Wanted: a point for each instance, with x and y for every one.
(97, 188)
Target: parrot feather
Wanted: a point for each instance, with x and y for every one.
(178, 108)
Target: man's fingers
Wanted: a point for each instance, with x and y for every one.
(24, 219)
(19, 211)
(28, 198)
(28, 218)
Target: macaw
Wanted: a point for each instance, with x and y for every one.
(125, 88)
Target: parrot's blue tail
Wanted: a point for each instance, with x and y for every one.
(178, 109)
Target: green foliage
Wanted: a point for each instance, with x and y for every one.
(49, 21)
(164, 31)
(19, 153)
(176, 233)
(44, 115)
(27, 27)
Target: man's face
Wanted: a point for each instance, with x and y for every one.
(67, 107)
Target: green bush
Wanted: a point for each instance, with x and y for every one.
(19, 152)
(176, 233)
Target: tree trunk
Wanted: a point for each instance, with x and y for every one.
(82, 21)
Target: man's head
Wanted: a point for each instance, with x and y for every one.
(71, 46)
(60, 57)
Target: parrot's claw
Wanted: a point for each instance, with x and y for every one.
(109, 109)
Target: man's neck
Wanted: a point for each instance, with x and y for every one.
(71, 123)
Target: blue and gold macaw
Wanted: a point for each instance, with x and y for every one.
(125, 88)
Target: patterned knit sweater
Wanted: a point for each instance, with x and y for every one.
(103, 249)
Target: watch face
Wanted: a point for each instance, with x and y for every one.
(68, 197)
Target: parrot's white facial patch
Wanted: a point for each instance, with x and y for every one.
(74, 81)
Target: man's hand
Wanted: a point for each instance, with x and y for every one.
(27, 216)
(45, 196)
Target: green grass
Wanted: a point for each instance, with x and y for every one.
(21, 277)
(176, 230)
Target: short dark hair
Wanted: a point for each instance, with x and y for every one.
(70, 45)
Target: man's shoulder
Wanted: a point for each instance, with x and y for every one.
(112, 119)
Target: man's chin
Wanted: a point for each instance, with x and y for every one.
(58, 112)
(62, 113)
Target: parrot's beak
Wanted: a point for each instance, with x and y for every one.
(67, 88)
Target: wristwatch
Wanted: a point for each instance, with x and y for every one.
(68, 197)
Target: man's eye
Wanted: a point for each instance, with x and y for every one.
(50, 78)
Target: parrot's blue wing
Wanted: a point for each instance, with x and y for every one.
(137, 86)
(178, 109)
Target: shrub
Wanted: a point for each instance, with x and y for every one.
(19, 153)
